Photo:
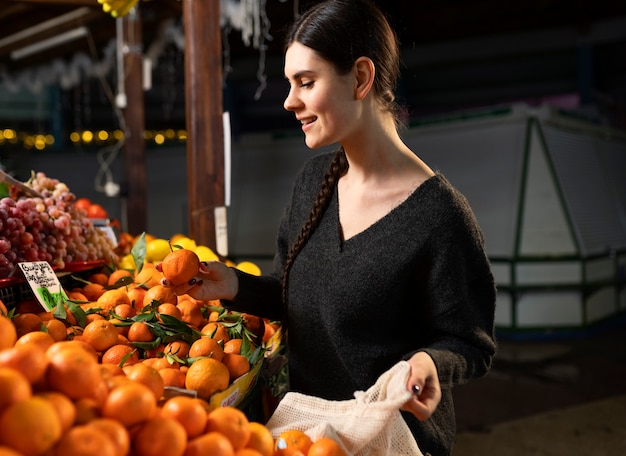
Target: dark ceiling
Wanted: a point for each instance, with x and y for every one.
(457, 54)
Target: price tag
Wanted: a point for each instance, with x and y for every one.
(44, 283)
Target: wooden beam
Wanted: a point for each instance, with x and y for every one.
(134, 116)
(203, 98)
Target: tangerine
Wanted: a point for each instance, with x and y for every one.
(8, 333)
(56, 328)
(120, 355)
(149, 376)
(215, 330)
(28, 359)
(31, 426)
(85, 440)
(115, 431)
(188, 412)
(180, 266)
(206, 346)
(206, 376)
(172, 377)
(326, 446)
(130, 403)
(212, 443)
(14, 385)
(149, 276)
(160, 436)
(119, 274)
(26, 322)
(231, 422)
(290, 441)
(261, 439)
(73, 371)
(110, 299)
(139, 331)
(101, 334)
(237, 365)
(160, 294)
(40, 338)
(64, 406)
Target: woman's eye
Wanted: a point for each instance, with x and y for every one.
(306, 84)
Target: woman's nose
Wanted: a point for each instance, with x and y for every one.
(291, 102)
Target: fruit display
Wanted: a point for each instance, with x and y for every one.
(93, 376)
(49, 227)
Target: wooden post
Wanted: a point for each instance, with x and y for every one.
(134, 115)
(205, 135)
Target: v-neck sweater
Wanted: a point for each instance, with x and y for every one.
(418, 279)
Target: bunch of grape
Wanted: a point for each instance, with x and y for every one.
(48, 228)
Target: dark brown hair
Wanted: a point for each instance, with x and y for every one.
(341, 31)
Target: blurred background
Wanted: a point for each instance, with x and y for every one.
(522, 105)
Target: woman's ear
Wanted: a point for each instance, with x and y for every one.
(365, 71)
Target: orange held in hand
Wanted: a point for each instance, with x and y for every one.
(180, 266)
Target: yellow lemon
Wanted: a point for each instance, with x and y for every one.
(157, 249)
(185, 243)
(126, 262)
(176, 237)
(205, 253)
(249, 267)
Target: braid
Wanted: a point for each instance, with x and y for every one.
(337, 168)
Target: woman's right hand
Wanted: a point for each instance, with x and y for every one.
(214, 280)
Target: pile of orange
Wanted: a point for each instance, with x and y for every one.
(74, 397)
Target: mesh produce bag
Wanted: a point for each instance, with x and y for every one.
(368, 425)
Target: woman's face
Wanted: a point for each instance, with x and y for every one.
(322, 100)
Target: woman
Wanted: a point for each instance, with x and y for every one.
(378, 257)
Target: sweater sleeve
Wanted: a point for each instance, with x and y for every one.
(462, 294)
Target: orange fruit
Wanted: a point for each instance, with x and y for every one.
(14, 386)
(85, 440)
(231, 422)
(87, 409)
(100, 334)
(255, 325)
(215, 330)
(233, 346)
(212, 443)
(206, 346)
(169, 309)
(73, 371)
(188, 412)
(139, 331)
(161, 294)
(65, 408)
(130, 403)
(160, 437)
(149, 376)
(149, 276)
(119, 274)
(206, 376)
(180, 266)
(28, 359)
(326, 446)
(56, 328)
(116, 432)
(8, 333)
(6, 451)
(74, 343)
(125, 310)
(172, 377)
(237, 365)
(288, 442)
(190, 312)
(77, 295)
(31, 426)
(41, 338)
(99, 277)
(136, 296)
(247, 452)
(110, 299)
(26, 322)
(92, 291)
(120, 355)
(179, 348)
(261, 439)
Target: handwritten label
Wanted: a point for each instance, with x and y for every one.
(44, 283)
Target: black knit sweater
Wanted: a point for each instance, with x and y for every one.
(416, 280)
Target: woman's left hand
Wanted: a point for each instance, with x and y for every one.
(424, 384)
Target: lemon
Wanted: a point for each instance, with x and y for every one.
(156, 250)
(185, 243)
(205, 253)
(249, 267)
(126, 262)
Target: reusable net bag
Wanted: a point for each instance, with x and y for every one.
(368, 425)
